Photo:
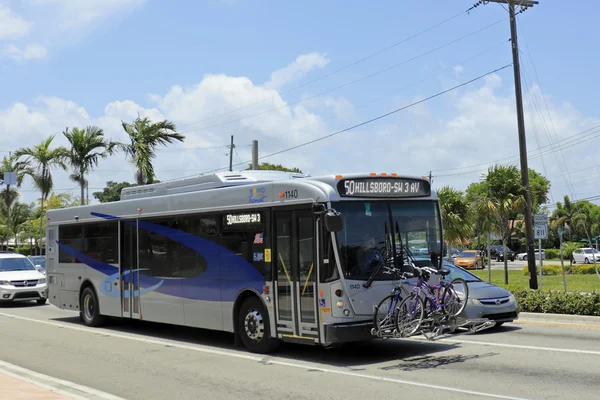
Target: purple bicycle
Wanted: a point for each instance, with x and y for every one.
(430, 303)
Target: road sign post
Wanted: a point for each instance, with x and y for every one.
(540, 231)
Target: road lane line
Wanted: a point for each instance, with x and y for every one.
(516, 346)
(38, 379)
(269, 359)
(562, 324)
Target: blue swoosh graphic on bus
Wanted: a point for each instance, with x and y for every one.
(225, 276)
(108, 283)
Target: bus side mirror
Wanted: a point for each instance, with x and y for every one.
(333, 222)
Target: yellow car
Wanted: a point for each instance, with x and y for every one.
(469, 259)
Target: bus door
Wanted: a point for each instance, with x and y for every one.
(296, 283)
(128, 270)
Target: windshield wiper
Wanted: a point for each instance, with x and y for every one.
(409, 254)
(381, 263)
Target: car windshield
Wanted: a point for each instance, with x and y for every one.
(41, 261)
(369, 226)
(456, 272)
(590, 251)
(16, 264)
(468, 254)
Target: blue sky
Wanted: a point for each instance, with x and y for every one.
(73, 63)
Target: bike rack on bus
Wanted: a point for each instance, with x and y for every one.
(435, 327)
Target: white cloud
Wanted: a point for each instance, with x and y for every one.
(12, 26)
(32, 51)
(476, 125)
(295, 70)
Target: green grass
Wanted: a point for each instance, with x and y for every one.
(516, 279)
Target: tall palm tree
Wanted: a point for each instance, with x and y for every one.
(455, 216)
(40, 159)
(88, 146)
(144, 138)
(9, 195)
(505, 199)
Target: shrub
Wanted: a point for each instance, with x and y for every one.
(550, 269)
(555, 302)
(584, 269)
(552, 253)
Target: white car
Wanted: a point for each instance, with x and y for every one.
(523, 256)
(20, 280)
(586, 255)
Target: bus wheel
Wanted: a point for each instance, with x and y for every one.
(89, 309)
(253, 327)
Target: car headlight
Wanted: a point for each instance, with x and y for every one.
(42, 281)
(4, 283)
(474, 301)
(512, 298)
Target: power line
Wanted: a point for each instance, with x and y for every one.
(339, 69)
(348, 83)
(372, 119)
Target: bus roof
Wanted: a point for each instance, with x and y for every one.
(223, 191)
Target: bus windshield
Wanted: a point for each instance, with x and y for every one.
(362, 242)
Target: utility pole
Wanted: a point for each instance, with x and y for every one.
(231, 147)
(524, 4)
(255, 154)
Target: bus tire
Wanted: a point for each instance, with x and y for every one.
(90, 309)
(254, 328)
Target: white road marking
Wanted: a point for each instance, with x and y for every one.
(516, 346)
(38, 379)
(271, 360)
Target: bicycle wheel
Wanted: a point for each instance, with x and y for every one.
(455, 297)
(384, 315)
(409, 315)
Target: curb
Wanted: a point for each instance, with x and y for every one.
(58, 387)
(559, 318)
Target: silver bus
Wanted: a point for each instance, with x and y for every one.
(269, 256)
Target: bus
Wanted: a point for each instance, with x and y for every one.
(269, 256)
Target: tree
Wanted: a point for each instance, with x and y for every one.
(274, 167)
(10, 195)
(144, 137)
(540, 187)
(87, 147)
(112, 191)
(505, 200)
(484, 222)
(455, 213)
(43, 159)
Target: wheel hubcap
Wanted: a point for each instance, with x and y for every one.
(254, 325)
(88, 307)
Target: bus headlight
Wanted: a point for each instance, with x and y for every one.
(340, 304)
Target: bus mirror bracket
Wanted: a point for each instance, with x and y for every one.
(333, 221)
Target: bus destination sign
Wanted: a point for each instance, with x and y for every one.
(383, 187)
(242, 221)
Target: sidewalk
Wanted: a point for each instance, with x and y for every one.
(14, 388)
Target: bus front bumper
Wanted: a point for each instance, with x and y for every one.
(349, 332)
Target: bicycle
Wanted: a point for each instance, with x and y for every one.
(414, 313)
(385, 325)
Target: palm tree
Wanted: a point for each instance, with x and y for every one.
(505, 199)
(43, 159)
(10, 195)
(88, 146)
(145, 137)
(455, 216)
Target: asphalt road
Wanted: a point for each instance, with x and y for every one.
(139, 360)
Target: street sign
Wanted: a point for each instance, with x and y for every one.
(10, 178)
(540, 231)
(540, 218)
